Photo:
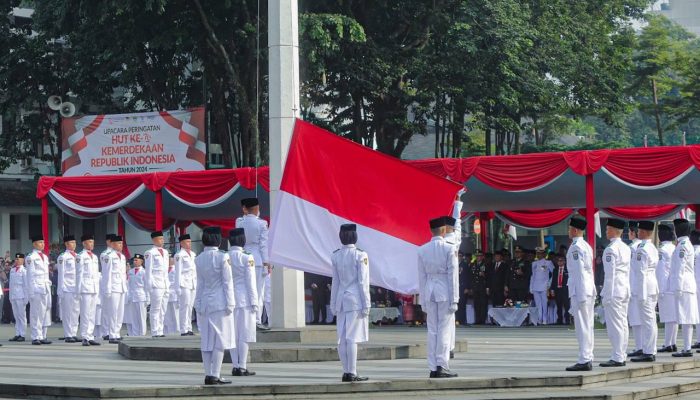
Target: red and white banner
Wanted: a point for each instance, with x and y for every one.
(133, 143)
(329, 181)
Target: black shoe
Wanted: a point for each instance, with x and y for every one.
(85, 342)
(184, 334)
(581, 367)
(94, 343)
(190, 333)
(667, 349)
(245, 372)
(113, 341)
(354, 378)
(222, 381)
(14, 339)
(444, 373)
(684, 353)
(211, 380)
(105, 337)
(157, 336)
(236, 371)
(635, 353)
(695, 346)
(45, 341)
(433, 374)
(20, 339)
(644, 358)
(612, 363)
(76, 340)
(69, 340)
(36, 342)
(452, 355)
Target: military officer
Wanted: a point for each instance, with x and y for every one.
(157, 260)
(185, 282)
(438, 288)
(39, 291)
(88, 284)
(68, 290)
(171, 322)
(667, 299)
(616, 292)
(682, 284)
(560, 291)
(101, 319)
(19, 297)
(498, 279)
(632, 309)
(540, 281)
(256, 244)
(350, 301)
(645, 290)
(246, 295)
(479, 271)
(214, 302)
(582, 292)
(519, 276)
(138, 297)
(113, 285)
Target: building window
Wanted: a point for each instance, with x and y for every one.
(34, 225)
(13, 227)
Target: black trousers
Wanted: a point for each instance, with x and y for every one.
(7, 316)
(319, 299)
(561, 297)
(518, 294)
(497, 297)
(481, 306)
(461, 315)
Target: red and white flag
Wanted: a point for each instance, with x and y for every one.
(329, 181)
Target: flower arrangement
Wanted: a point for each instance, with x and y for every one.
(508, 303)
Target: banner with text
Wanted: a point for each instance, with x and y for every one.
(133, 143)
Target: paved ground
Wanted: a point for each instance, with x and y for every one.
(493, 353)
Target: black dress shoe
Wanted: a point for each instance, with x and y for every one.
(69, 340)
(612, 363)
(222, 381)
(345, 378)
(683, 353)
(635, 353)
(581, 367)
(20, 339)
(433, 374)
(105, 337)
(246, 372)
(444, 373)
(94, 343)
(356, 378)
(36, 342)
(667, 349)
(76, 340)
(45, 341)
(695, 346)
(190, 333)
(211, 380)
(184, 334)
(644, 358)
(85, 342)
(236, 371)
(113, 341)
(14, 339)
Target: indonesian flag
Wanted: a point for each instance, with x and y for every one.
(329, 181)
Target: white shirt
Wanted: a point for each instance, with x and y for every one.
(255, 237)
(438, 272)
(663, 269)
(350, 284)
(579, 262)
(540, 278)
(644, 262)
(67, 272)
(697, 264)
(114, 274)
(37, 264)
(243, 270)
(682, 277)
(88, 276)
(19, 283)
(186, 271)
(455, 237)
(137, 285)
(157, 261)
(214, 282)
(616, 262)
(173, 289)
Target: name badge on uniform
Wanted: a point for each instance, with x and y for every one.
(682, 254)
(608, 258)
(575, 255)
(365, 260)
(251, 263)
(639, 257)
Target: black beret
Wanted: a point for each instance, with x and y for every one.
(616, 223)
(348, 228)
(36, 238)
(68, 238)
(437, 223)
(117, 238)
(184, 237)
(212, 230)
(87, 236)
(250, 202)
(633, 224)
(665, 228)
(646, 225)
(236, 232)
(449, 221)
(156, 234)
(138, 257)
(19, 255)
(110, 236)
(682, 226)
(578, 223)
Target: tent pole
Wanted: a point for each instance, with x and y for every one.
(45, 223)
(590, 211)
(159, 210)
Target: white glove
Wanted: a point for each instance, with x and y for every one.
(255, 308)
(453, 308)
(365, 312)
(229, 310)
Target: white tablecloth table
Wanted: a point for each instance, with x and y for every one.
(379, 313)
(513, 316)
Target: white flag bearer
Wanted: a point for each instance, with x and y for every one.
(68, 290)
(645, 290)
(39, 292)
(89, 288)
(256, 244)
(157, 283)
(19, 297)
(682, 284)
(186, 282)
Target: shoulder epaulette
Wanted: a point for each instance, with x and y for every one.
(336, 250)
(247, 252)
(360, 249)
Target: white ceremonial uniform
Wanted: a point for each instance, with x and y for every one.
(697, 285)
(256, 244)
(67, 290)
(616, 296)
(246, 295)
(350, 302)
(268, 297)
(114, 288)
(214, 302)
(645, 292)
(138, 300)
(582, 292)
(101, 319)
(682, 284)
(19, 298)
(439, 291)
(455, 238)
(158, 286)
(632, 308)
(667, 299)
(39, 293)
(171, 322)
(539, 285)
(186, 283)
(88, 284)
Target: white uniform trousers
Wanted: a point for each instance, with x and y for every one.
(352, 328)
(217, 335)
(697, 326)
(616, 325)
(541, 303)
(70, 313)
(649, 331)
(138, 311)
(19, 310)
(440, 326)
(159, 305)
(260, 272)
(113, 307)
(39, 315)
(245, 333)
(582, 311)
(171, 323)
(186, 302)
(101, 327)
(88, 312)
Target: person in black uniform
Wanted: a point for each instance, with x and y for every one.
(498, 279)
(479, 274)
(519, 278)
(461, 315)
(560, 290)
(320, 296)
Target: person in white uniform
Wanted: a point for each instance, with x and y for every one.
(540, 281)
(101, 321)
(157, 260)
(186, 283)
(256, 244)
(667, 298)
(439, 295)
(88, 283)
(632, 309)
(246, 295)
(695, 241)
(214, 302)
(114, 287)
(616, 292)
(67, 289)
(138, 297)
(19, 297)
(645, 290)
(350, 301)
(453, 236)
(171, 322)
(39, 292)
(582, 292)
(268, 295)
(682, 284)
